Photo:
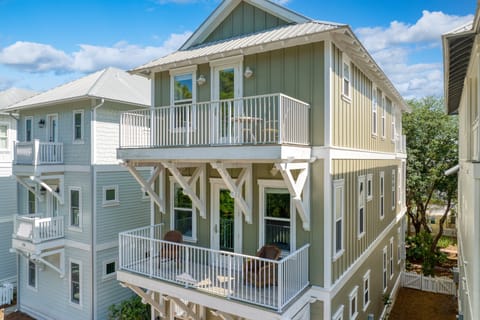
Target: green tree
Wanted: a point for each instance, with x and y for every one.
(432, 148)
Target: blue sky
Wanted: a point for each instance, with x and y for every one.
(46, 43)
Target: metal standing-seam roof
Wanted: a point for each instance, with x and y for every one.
(110, 84)
(13, 95)
(457, 48)
(233, 45)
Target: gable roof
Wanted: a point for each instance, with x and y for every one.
(110, 84)
(457, 49)
(227, 6)
(13, 95)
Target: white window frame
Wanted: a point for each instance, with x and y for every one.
(361, 206)
(391, 267)
(193, 238)
(181, 72)
(81, 140)
(114, 202)
(338, 184)
(383, 122)
(394, 190)
(70, 297)
(346, 79)
(393, 128)
(34, 288)
(384, 269)
(399, 242)
(369, 186)
(7, 139)
(366, 290)
(375, 112)
(339, 314)
(275, 184)
(353, 297)
(29, 118)
(382, 195)
(80, 214)
(105, 275)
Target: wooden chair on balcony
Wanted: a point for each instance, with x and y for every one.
(261, 273)
(170, 251)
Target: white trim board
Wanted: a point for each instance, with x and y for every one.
(347, 153)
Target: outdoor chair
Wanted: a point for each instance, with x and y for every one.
(261, 273)
(171, 251)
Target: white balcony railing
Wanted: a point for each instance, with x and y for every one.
(400, 143)
(270, 283)
(37, 228)
(37, 153)
(266, 119)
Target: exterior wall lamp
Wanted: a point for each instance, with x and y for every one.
(201, 80)
(41, 123)
(248, 72)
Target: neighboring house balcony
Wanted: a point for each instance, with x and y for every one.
(258, 127)
(210, 277)
(36, 237)
(36, 157)
(401, 144)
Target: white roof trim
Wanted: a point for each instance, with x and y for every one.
(227, 6)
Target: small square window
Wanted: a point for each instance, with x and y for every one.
(110, 195)
(109, 269)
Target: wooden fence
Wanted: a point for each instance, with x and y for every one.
(431, 284)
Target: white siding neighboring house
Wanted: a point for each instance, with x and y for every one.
(8, 185)
(462, 87)
(74, 197)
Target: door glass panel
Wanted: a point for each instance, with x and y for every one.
(226, 221)
(227, 84)
(277, 218)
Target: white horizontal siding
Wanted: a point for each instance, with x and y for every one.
(107, 133)
(7, 259)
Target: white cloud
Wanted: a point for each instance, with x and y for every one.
(401, 49)
(37, 57)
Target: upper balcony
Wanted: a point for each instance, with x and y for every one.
(30, 231)
(268, 120)
(31, 155)
(198, 273)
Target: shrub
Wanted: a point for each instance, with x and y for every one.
(130, 309)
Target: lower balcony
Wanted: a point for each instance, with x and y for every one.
(37, 229)
(271, 284)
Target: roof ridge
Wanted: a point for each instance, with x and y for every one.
(100, 77)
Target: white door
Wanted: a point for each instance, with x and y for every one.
(52, 128)
(226, 221)
(52, 205)
(226, 86)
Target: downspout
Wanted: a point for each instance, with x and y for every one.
(93, 160)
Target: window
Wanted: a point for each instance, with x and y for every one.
(3, 136)
(383, 117)
(382, 195)
(109, 269)
(75, 289)
(78, 126)
(366, 290)
(374, 110)
(110, 196)
(353, 304)
(399, 243)
(183, 94)
(28, 129)
(31, 202)
(393, 128)
(361, 206)
(277, 218)
(184, 218)
(75, 207)
(391, 258)
(369, 187)
(346, 77)
(384, 273)
(339, 314)
(394, 189)
(338, 210)
(32, 274)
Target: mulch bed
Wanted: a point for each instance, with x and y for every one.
(414, 304)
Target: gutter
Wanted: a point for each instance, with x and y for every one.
(94, 206)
